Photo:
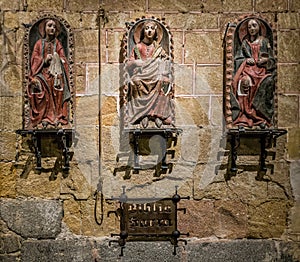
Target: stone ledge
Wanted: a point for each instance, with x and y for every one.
(209, 251)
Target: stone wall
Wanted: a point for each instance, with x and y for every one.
(50, 216)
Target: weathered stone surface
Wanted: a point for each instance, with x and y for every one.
(7, 145)
(295, 183)
(183, 79)
(113, 43)
(230, 219)
(288, 21)
(11, 113)
(111, 80)
(208, 79)
(192, 111)
(233, 251)
(289, 104)
(288, 42)
(79, 217)
(288, 78)
(267, 219)
(77, 184)
(7, 180)
(86, 46)
(8, 5)
(109, 111)
(178, 52)
(210, 52)
(295, 5)
(44, 5)
(10, 258)
(199, 220)
(45, 184)
(59, 250)
(12, 78)
(192, 21)
(89, 5)
(293, 143)
(269, 5)
(87, 110)
(9, 243)
(32, 218)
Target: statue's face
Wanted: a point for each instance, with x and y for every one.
(50, 28)
(253, 27)
(150, 29)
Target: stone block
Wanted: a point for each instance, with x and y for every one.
(10, 243)
(114, 39)
(230, 219)
(192, 21)
(199, 219)
(86, 46)
(7, 5)
(57, 250)
(178, 52)
(210, 52)
(12, 79)
(109, 111)
(45, 5)
(232, 251)
(10, 257)
(77, 184)
(228, 6)
(288, 21)
(117, 20)
(288, 111)
(293, 143)
(288, 43)
(288, 78)
(10, 112)
(32, 218)
(192, 111)
(87, 110)
(216, 111)
(74, 20)
(271, 6)
(115, 5)
(295, 5)
(43, 185)
(180, 5)
(267, 219)
(79, 217)
(7, 180)
(90, 20)
(79, 6)
(7, 145)
(183, 79)
(208, 80)
(111, 79)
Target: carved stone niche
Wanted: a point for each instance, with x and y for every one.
(48, 88)
(250, 88)
(147, 123)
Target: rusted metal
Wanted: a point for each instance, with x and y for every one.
(148, 219)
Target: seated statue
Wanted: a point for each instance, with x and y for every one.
(149, 78)
(253, 82)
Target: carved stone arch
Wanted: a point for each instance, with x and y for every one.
(66, 37)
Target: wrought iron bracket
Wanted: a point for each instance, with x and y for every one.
(267, 139)
(136, 138)
(63, 139)
(148, 219)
